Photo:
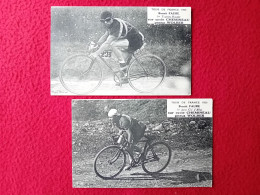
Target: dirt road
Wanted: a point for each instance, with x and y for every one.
(171, 86)
(186, 169)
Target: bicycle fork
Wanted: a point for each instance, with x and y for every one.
(114, 158)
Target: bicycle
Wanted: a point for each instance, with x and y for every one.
(82, 75)
(111, 160)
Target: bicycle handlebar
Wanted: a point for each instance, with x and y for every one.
(92, 46)
(121, 140)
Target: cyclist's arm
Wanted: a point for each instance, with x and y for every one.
(129, 135)
(106, 44)
(103, 38)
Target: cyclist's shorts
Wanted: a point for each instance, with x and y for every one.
(135, 42)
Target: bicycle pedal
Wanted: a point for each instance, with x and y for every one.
(128, 168)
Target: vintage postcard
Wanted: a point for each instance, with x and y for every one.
(120, 51)
(142, 143)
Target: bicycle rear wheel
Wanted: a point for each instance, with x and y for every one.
(157, 157)
(146, 73)
(109, 162)
(80, 75)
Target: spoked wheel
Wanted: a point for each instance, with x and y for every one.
(157, 157)
(146, 73)
(80, 75)
(109, 162)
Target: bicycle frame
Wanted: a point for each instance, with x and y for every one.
(141, 157)
(109, 66)
(104, 62)
(132, 77)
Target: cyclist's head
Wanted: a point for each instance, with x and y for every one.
(106, 18)
(112, 112)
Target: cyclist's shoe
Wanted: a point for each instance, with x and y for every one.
(124, 80)
(128, 168)
(123, 67)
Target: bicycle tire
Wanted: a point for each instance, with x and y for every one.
(108, 169)
(146, 73)
(157, 150)
(80, 74)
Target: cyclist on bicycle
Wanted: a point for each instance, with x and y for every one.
(134, 129)
(122, 37)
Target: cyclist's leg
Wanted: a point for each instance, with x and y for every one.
(130, 150)
(118, 47)
(120, 50)
(138, 133)
(131, 153)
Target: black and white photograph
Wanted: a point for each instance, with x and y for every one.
(110, 51)
(148, 143)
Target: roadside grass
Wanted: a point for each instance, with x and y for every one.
(174, 56)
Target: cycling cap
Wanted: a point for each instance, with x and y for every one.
(105, 15)
(112, 113)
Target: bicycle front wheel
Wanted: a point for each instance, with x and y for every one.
(157, 157)
(80, 75)
(146, 73)
(109, 162)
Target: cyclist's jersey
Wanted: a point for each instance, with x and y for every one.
(124, 30)
(137, 128)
